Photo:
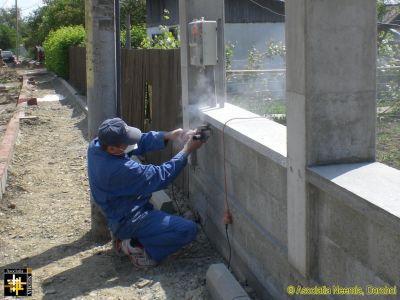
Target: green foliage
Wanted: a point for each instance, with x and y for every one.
(7, 17)
(229, 47)
(56, 47)
(257, 57)
(7, 37)
(164, 40)
(56, 14)
(275, 49)
(138, 36)
(388, 49)
(136, 10)
(8, 31)
(388, 134)
(165, 15)
(380, 9)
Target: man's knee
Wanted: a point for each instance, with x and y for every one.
(190, 232)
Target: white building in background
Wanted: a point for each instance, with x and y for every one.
(248, 24)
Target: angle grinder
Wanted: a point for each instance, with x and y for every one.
(203, 132)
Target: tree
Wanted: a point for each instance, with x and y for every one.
(55, 14)
(136, 9)
(7, 17)
(7, 37)
(8, 28)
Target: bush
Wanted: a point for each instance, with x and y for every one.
(138, 36)
(163, 40)
(7, 37)
(56, 47)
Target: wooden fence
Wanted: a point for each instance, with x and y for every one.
(77, 68)
(150, 91)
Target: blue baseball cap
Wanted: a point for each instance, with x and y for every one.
(116, 132)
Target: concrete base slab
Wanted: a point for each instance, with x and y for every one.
(222, 285)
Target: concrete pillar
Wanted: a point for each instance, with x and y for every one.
(101, 80)
(330, 83)
(200, 87)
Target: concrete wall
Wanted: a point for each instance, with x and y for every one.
(354, 223)
(310, 206)
(256, 189)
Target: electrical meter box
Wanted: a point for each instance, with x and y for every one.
(203, 43)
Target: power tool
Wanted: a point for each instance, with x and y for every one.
(203, 132)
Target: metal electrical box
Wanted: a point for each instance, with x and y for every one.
(203, 43)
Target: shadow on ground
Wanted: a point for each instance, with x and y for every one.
(100, 269)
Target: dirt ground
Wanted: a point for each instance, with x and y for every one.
(9, 90)
(45, 219)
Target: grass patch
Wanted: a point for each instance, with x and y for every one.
(388, 141)
(258, 106)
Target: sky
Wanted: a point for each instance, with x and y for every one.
(26, 6)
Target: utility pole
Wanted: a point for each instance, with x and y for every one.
(101, 81)
(16, 21)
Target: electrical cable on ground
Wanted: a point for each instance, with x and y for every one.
(175, 200)
(227, 213)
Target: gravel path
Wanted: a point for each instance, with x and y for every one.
(45, 219)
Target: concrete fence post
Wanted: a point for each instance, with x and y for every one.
(101, 80)
(331, 87)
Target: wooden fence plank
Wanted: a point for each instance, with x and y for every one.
(160, 69)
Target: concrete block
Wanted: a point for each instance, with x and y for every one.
(336, 266)
(259, 201)
(251, 166)
(265, 259)
(161, 201)
(264, 288)
(383, 250)
(344, 226)
(222, 285)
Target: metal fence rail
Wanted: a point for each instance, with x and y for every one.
(263, 91)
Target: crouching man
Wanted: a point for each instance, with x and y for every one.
(122, 188)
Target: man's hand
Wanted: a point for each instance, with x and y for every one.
(192, 145)
(179, 135)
